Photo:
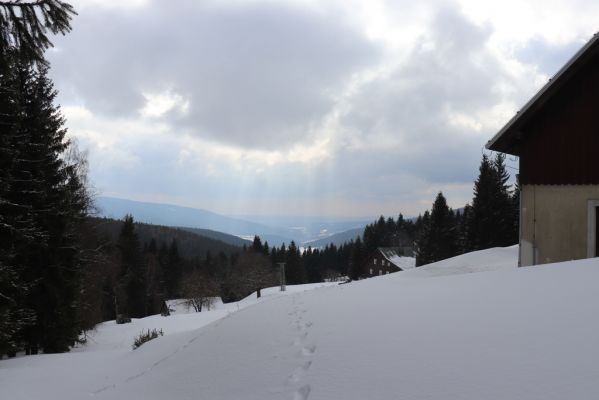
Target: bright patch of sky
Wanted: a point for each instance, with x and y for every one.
(303, 107)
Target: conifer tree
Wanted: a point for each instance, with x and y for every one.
(492, 219)
(155, 284)
(56, 203)
(24, 26)
(357, 260)
(14, 228)
(439, 237)
(257, 244)
(130, 293)
(506, 235)
(174, 269)
(295, 272)
(42, 196)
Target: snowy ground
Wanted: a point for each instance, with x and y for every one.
(476, 261)
(511, 333)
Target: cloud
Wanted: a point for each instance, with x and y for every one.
(250, 76)
(348, 108)
(432, 114)
(547, 57)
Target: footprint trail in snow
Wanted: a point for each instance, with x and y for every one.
(297, 378)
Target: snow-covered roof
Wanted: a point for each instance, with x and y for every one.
(395, 257)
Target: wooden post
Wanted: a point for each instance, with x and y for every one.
(282, 276)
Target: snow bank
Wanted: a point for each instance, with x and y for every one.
(497, 258)
(275, 291)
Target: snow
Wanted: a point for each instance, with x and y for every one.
(433, 332)
(493, 259)
(403, 262)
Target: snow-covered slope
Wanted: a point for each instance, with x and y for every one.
(477, 261)
(514, 333)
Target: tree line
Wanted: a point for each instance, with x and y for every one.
(491, 220)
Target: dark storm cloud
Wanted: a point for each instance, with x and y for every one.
(254, 76)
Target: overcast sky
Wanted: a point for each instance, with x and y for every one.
(348, 108)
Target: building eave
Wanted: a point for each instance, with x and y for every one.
(506, 140)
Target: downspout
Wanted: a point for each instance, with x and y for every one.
(534, 224)
(519, 221)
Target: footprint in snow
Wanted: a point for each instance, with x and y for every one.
(299, 372)
(309, 350)
(302, 393)
(298, 340)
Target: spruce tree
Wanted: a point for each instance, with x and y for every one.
(421, 244)
(174, 269)
(492, 219)
(295, 272)
(24, 26)
(438, 239)
(357, 260)
(506, 235)
(42, 196)
(14, 315)
(55, 201)
(155, 283)
(130, 293)
(257, 244)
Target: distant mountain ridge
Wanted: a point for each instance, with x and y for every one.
(273, 229)
(337, 239)
(223, 237)
(190, 244)
(186, 217)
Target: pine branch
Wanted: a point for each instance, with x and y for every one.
(24, 26)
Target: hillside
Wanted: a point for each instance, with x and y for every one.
(337, 239)
(190, 244)
(511, 333)
(223, 237)
(171, 215)
(274, 229)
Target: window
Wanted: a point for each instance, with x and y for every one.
(375, 261)
(380, 272)
(370, 271)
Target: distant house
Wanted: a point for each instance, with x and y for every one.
(556, 137)
(386, 260)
